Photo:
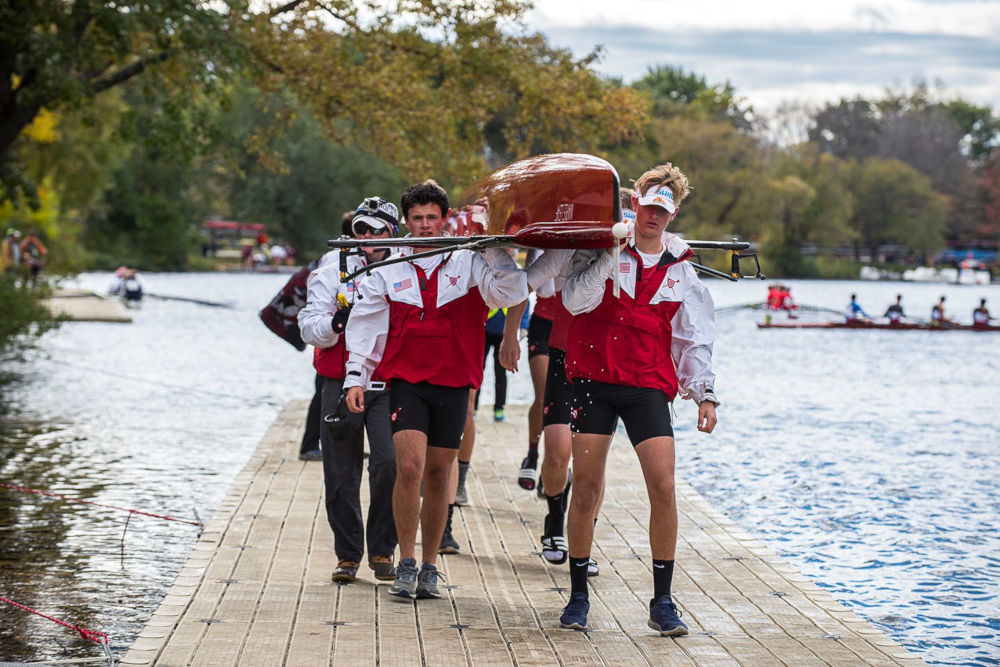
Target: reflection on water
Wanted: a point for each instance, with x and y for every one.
(867, 459)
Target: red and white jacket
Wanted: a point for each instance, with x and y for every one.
(665, 315)
(424, 320)
(316, 318)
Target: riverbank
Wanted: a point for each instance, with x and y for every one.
(257, 590)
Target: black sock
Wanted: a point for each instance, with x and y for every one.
(463, 470)
(578, 574)
(663, 574)
(557, 514)
(533, 453)
(447, 526)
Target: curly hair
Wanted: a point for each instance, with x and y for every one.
(428, 192)
(664, 174)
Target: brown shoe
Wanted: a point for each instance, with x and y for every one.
(382, 565)
(346, 571)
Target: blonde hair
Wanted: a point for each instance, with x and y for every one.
(664, 174)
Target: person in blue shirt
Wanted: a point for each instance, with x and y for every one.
(855, 313)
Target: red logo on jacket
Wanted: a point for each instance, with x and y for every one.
(452, 279)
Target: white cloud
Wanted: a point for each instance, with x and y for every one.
(967, 18)
(780, 50)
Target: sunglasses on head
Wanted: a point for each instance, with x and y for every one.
(363, 228)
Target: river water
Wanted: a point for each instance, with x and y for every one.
(867, 459)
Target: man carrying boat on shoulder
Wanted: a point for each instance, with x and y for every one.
(322, 323)
(424, 321)
(620, 360)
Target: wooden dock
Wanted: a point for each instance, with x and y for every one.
(85, 306)
(256, 589)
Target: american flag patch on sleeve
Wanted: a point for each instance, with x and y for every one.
(402, 285)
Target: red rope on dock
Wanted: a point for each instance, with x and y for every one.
(98, 637)
(90, 502)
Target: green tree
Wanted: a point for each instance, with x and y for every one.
(675, 92)
(22, 312)
(291, 177)
(57, 54)
(813, 205)
(443, 88)
(894, 203)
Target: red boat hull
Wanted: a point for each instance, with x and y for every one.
(902, 326)
(552, 201)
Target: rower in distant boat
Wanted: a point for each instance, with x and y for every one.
(938, 318)
(894, 313)
(855, 313)
(981, 316)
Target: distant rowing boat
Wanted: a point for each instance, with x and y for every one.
(901, 326)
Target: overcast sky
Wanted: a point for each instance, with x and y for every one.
(784, 50)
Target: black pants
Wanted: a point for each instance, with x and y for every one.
(343, 459)
(499, 372)
(310, 439)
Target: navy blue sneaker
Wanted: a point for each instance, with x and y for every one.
(664, 617)
(427, 582)
(405, 585)
(575, 612)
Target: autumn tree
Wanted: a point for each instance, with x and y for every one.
(439, 88)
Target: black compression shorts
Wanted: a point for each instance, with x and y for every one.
(558, 390)
(539, 329)
(597, 406)
(438, 412)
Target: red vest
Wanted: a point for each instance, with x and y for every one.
(561, 321)
(626, 341)
(545, 307)
(442, 346)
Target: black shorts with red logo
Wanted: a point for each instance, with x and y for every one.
(558, 390)
(436, 411)
(539, 329)
(598, 405)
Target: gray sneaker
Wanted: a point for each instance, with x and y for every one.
(461, 496)
(405, 585)
(427, 582)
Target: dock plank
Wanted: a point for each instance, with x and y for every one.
(257, 591)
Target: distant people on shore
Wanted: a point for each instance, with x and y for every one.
(894, 313)
(23, 255)
(10, 257)
(855, 313)
(981, 315)
(33, 256)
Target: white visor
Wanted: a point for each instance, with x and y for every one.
(659, 196)
(370, 220)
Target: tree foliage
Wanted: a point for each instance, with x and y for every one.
(429, 84)
(57, 54)
(675, 92)
(895, 203)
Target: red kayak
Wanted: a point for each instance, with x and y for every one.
(900, 326)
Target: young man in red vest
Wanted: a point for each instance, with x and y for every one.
(620, 359)
(422, 322)
(322, 321)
